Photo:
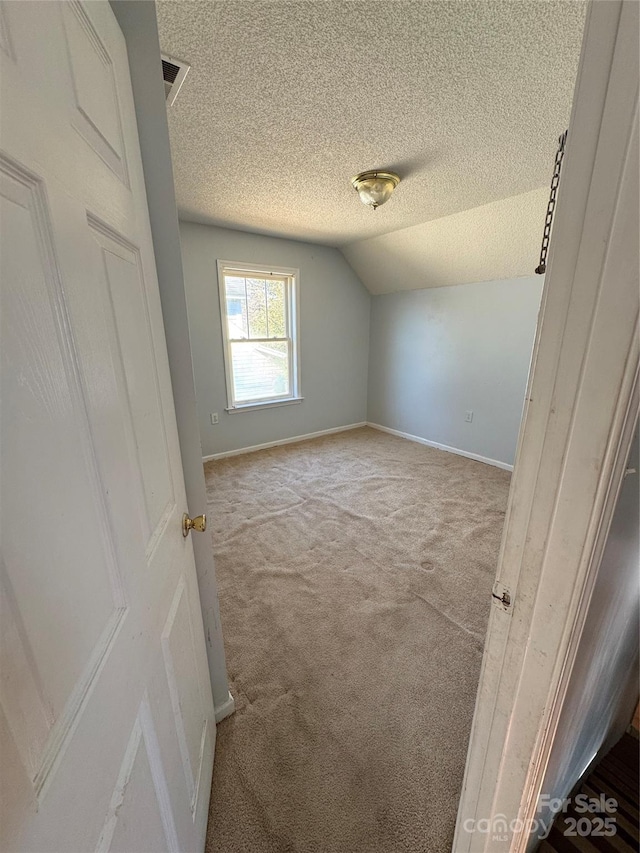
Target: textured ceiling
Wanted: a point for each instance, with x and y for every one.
(495, 241)
(286, 101)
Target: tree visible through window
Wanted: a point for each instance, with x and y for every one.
(259, 326)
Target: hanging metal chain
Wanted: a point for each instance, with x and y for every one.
(542, 266)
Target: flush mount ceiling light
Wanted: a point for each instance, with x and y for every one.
(375, 187)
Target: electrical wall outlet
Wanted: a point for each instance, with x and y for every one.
(214, 418)
(468, 416)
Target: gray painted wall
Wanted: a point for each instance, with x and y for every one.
(436, 353)
(334, 337)
(603, 688)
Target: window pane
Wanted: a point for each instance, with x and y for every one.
(257, 307)
(236, 306)
(260, 371)
(276, 309)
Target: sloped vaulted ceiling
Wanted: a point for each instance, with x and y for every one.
(287, 100)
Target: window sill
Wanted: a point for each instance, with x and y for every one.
(270, 404)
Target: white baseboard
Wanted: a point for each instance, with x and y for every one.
(293, 440)
(495, 462)
(226, 709)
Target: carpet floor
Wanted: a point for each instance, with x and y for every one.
(354, 576)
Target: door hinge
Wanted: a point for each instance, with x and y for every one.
(502, 596)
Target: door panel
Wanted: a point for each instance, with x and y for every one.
(60, 620)
(134, 801)
(185, 688)
(106, 723)
(119, 267)
(96, 101)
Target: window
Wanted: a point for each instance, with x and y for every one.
(260, 330)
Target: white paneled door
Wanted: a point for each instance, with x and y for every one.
(106, 723)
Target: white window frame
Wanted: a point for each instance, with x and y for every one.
(292, 283)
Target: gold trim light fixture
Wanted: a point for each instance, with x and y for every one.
(375, 187)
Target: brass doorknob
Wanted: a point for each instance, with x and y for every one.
(198, 523)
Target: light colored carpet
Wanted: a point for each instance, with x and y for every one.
(355, 576)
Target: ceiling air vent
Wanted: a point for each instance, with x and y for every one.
(174, 71)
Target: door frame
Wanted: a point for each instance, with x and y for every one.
(580, 409)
